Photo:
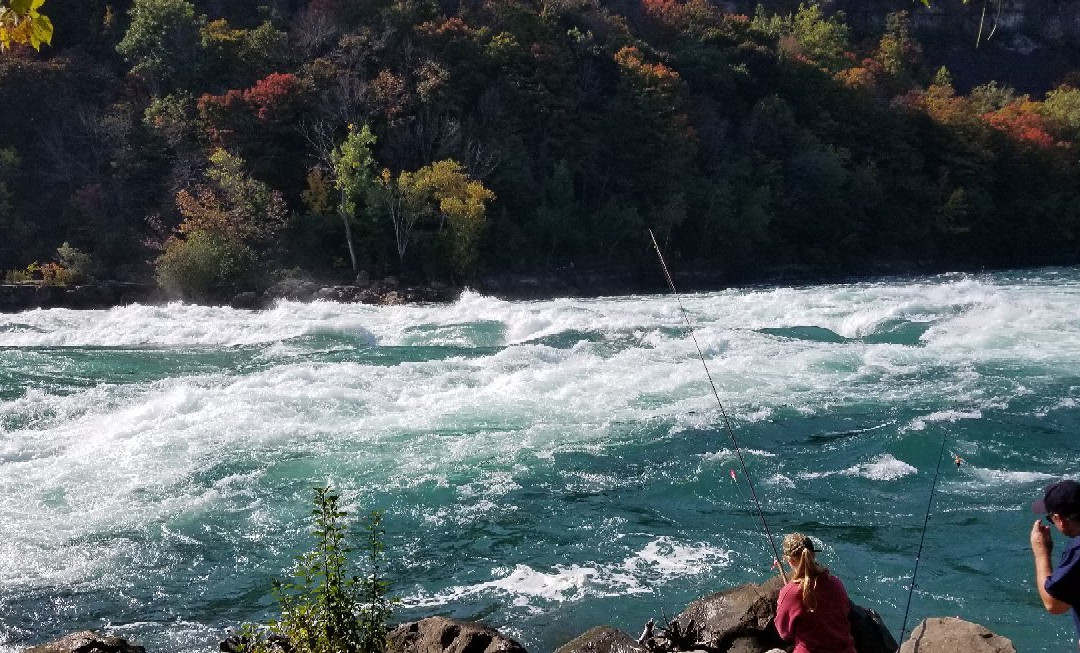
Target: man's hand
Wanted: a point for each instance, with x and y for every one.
(1041, 542)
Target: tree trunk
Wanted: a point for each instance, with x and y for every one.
(348, 239)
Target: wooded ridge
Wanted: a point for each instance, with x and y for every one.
(215, 147)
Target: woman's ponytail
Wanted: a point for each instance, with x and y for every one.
(799, 549)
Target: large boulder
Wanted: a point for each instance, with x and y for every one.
(716, 621)
(602, 639)
(869, 631)
(443, 635)
(87, 641)
(740, 620)
(299, 290)
(954, 635)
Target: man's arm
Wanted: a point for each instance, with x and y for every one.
(1041, 546)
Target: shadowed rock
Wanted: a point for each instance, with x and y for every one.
(716, 621)
(953, 635)
(869, 631)
(443, 635)
(602, 639)
(87, 641)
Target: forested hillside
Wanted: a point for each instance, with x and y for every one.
(214, 145)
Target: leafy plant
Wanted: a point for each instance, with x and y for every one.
(22, 24)
(324, 609)
(79, 265)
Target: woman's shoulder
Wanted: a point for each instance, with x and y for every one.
(790, 587)
(835, 581)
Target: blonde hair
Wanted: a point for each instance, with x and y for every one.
(805, 570)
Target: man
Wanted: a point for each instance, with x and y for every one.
(1058, 588)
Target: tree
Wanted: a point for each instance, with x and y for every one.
(1062, 111)
(443, 193)
(353, 167)
(163, 42)
(404, 199)
(809, 35)
(22, 24)
(462, 207)
(231, 224)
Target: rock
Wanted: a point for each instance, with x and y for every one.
(740, 620)
(954, 635)
(869, 631)
(238, 643)
(294, 289)
(715, 621)
(392, 298)
(247, 301)
(327, 294)
(363, 279)
(87, 641)
(443, 635)
(601, 639)
(749, 645)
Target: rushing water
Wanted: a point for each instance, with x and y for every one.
(544, 467)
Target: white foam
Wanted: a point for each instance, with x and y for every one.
(728, 455)
(920, 423)
(882, 468)
(661, 561)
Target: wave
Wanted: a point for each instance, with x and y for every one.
(661, 561)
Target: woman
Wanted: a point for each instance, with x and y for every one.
(813, 607)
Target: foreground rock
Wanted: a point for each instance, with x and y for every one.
(443, 635)
(87, 641)
(954, 635)
(602, 639)
(738, 620)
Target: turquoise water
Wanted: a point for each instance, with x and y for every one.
(543, 466)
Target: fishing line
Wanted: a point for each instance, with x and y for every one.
(922, 539)
(723, 413)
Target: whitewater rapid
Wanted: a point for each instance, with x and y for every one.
(536, 460)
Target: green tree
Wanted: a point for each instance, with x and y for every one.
(1062, 111)
(808, 34)
(990, 97)
(80, 266)
(22, 24)
(898, 51)
(163, 42)
(354, 166)
(404, 199)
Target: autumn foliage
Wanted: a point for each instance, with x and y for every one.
(1022, 121)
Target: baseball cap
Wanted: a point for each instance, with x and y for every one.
(1062, 498)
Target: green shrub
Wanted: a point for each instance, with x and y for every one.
(324, 609)
(203, 266)
(80, 266)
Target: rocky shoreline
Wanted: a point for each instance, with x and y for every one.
(389, 291)
(738, 620)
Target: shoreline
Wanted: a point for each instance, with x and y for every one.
(610, 281)
(390, 291)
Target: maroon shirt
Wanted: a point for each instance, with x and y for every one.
(823, 630)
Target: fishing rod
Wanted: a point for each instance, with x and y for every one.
(926, 521)
(723, 413)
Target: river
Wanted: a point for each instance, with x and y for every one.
(542, 466)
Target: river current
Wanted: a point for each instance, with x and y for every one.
(543, 467)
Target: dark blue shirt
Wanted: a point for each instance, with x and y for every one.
(1064, 583)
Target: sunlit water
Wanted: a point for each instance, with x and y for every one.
(544, 467)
